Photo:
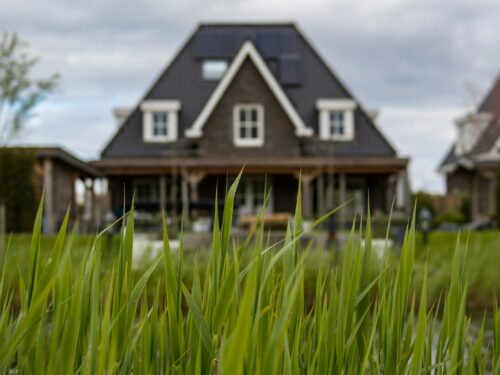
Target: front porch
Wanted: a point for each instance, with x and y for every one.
(189, 193)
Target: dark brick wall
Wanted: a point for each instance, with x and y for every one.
(279, 132)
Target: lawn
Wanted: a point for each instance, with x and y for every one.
(76, 304)
(483, 254)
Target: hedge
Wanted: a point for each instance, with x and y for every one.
(18, 190)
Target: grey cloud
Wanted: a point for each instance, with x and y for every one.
(409, 58)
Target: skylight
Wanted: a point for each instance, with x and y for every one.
(213, 70)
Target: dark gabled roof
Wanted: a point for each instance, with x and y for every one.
(487, 139)
(59, 153)
(275, 42)
(449, 158)
(491, 102)
(489, 136)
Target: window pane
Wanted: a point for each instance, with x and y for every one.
(254, 115)
(160, 124)
(254, 132)
(242, 115)
(146, 192)
(160, 117)
(213, 69)
(336, 123)
(243, 132)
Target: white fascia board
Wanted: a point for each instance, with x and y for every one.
(335, 104)
(450, 168)
(160, 105)
(248, 50)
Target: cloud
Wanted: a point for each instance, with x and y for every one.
(409, 58)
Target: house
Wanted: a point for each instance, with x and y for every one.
(258, 96)
(473, 161)
(56, 172)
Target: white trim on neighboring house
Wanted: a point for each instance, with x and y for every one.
(325, 107)
(171, 109)
(248, 50)
(470, 129)
(248, 142)
(462, 162)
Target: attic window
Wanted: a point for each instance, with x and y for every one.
(336, 119)
(160, 120)
(336, 123)
(213, 70)
(160, 124)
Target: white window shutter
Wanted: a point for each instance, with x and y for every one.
(349, 125)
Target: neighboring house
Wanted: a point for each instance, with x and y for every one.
(259, 96)
(56, 172)
(473, 162)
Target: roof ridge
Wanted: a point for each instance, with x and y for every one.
(247, 24)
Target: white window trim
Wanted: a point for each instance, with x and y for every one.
(259, 141)
(325, 106)
(248, 50)
(149, 107)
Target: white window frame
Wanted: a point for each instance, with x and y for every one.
(325, 107)
(246, 142)
(149, 108)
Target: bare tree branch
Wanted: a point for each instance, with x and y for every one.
(19, 92)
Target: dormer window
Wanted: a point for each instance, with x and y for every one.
(336, 123)
(336, 119)
(160, 124)
(248, 125)
(213, 70)
(160, 120)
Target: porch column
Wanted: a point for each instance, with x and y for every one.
(88, 206)
(163, 193)
(402, 194)
(173, 195)
(342, 199)
(475, 197)
(320, 190)
(390, 192)
(185, 198)
(48, 209)
(330, 190)
(491, 193)
(306, 180)
(194, 179)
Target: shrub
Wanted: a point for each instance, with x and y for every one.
(17, 188)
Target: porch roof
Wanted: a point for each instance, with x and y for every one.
(126, 166)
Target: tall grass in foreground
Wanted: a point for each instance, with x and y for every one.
(247, 315)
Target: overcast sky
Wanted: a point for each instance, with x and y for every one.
(421, 63)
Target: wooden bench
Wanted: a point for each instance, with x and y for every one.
(276, 220)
